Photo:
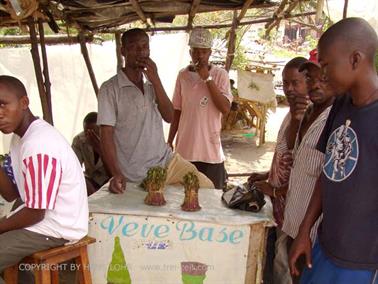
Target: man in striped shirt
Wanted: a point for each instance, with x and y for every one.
(275, 182)
(49, 181)
(308, 161)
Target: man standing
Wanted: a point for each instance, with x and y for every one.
(202, 95)
(86, 146)
(131, 106)
(49, 181)
(346, 192)
(308, 161)
(275, 182)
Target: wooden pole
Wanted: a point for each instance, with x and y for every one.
(139, 11)
(192, 13)
(231, 43)
(228, 25)
(38, 72)
(84, 52)
(49, 40)
(345, 12)
(118, 50)
(46, 75)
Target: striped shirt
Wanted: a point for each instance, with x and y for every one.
(307, 166)
(49, 177)
(279, 176)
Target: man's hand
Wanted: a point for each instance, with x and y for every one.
(257, 177)
(264, 187)
(149, 69)
(300, 246)
(117, 184)
(300, 106)
(94, 140)
(202, 68)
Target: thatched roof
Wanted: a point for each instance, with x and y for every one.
(102, 15)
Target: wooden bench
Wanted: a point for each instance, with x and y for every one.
(47, 262)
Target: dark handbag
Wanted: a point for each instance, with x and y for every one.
(244, 197)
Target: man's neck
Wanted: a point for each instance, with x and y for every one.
(25, 123)
(365, 91)
(319, 108)
(134, 75)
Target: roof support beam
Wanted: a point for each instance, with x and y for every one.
(192, 13)
(139, 11)
(244, 10)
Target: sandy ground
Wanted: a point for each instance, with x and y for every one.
(242, 153)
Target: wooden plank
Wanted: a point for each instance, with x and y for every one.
(256, 254)
(139, 11)
(192, 13)
(38, 71)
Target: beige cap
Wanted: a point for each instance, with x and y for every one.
(200, 38)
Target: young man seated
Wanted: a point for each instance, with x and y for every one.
(49, 181)
(86, 146)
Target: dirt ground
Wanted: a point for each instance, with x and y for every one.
(242, 153)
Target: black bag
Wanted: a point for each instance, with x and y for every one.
(244, 197)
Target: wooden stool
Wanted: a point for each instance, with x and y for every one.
(47, 260)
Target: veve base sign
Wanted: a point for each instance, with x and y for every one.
(149, 250)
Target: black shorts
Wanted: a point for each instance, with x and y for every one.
(215, 172)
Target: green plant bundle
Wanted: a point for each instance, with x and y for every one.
(156, 176)
(191, 180)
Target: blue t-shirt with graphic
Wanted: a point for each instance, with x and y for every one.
(349, 230)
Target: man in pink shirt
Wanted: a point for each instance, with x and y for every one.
(202, 95)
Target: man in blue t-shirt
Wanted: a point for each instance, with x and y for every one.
(346, 192)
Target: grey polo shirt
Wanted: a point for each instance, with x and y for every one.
(138, 126)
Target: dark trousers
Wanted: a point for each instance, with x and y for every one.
(215, 172)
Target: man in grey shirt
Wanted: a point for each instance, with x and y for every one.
(131, 106)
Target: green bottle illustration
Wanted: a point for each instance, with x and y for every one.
(193, 272)
(117, 270)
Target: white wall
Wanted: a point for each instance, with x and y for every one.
(72, 93)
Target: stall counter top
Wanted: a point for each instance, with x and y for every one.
(213, 209)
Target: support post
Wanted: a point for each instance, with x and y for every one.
(345, 11)
(192, 13)
(84, 52)
(46, 74)
(231, 43)
(118, 41)
(38, 72)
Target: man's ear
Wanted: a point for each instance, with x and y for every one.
(24, 102)
(356, 59)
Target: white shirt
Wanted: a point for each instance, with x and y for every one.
(49, 176)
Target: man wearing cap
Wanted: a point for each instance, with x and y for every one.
(131, 106)
(308, 161)
(202, 95)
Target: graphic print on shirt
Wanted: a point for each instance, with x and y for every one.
(341, 154)
(204, 101)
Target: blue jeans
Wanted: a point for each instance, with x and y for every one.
(324, 271)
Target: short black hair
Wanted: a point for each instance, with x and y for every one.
(354, 33)
(295, 63)
(132, 33)
(14, 85)
(90, 118)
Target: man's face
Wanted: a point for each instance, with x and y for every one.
(318, 89)
(336, 67)
(200, 56)
(294, 84)
(136, 50)
(11, 110)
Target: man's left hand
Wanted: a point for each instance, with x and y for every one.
(202, 69)
(150, 70)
